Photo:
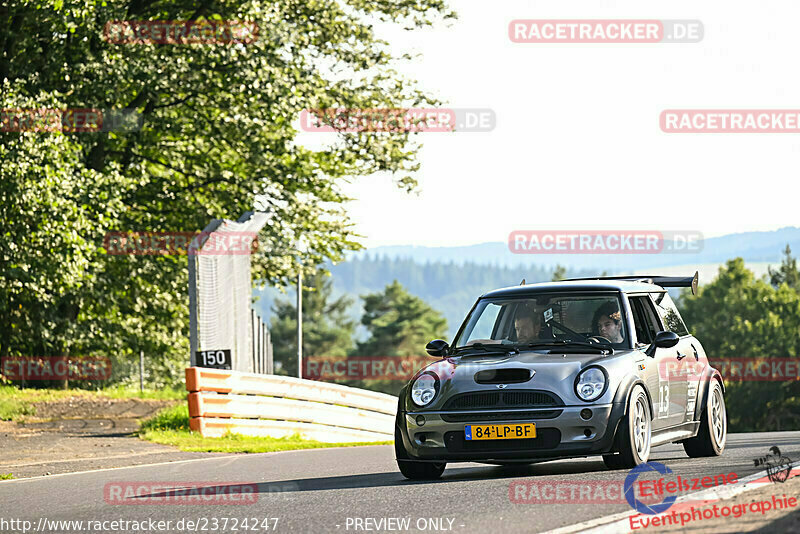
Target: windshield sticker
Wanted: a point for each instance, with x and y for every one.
(548, 314)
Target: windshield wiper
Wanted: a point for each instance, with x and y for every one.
(491, 347)
(566, 343)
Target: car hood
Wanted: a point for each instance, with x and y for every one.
(551, 372)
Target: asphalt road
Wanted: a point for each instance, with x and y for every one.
(329, 490)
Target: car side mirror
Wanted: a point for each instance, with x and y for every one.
(437, 347)
(664, 340)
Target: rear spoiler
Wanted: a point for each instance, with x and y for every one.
(663, 281)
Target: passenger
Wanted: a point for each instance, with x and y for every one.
(528, 324)
(607, 322)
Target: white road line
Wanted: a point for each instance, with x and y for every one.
(227, 456)
(17, 480)
(48, 462)
(615, 523)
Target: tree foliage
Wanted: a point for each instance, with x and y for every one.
(399, 323)
(740, 316)
(787, 273)
(327, 331)
(218, 138)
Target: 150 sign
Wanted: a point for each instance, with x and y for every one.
(216, 359)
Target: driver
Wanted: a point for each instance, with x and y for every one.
(528, 324)
(608, 322)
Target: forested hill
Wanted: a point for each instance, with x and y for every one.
(762, 246)
(448, 287)
(430, 281)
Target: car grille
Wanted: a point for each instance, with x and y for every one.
(546, 438)
(503, 376)
(503, 399)
(500, 416)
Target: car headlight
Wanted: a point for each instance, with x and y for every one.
(424, 389)
(591, 384)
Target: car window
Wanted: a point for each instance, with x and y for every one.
(669, 314)
(486, 323)
(644, 319)
(551, 316)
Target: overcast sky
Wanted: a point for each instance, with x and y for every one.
(577, 143)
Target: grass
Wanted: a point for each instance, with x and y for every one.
(41, 395)
(14, 409)
(115, 392)
(172, 418)
(13, 405)
(16, 403)
(194, 442)
(6, 476)
(121, 392)
(170, 426)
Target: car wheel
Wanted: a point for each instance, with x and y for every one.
(713, 433)
(411, 469)
(612, 461)
(634, 433)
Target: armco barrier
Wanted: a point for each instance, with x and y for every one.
(268, 405)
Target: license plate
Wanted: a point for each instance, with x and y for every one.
(509, 431)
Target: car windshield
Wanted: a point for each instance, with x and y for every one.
(546, 319)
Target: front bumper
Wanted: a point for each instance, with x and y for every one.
(560, 432)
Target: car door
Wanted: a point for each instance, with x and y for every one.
(690, 357)
(668, 394)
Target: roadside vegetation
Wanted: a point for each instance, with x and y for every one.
(738, 315)
(167, 171)
(17, 403)
(171, 427)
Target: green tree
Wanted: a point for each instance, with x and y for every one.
(327, 331)
(218, 138)
(399, 324)
(787, 272)
(740, 316)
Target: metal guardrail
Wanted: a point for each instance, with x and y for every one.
(253, 404)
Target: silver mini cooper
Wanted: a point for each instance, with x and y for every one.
(565, 369)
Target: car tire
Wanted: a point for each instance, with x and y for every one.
(635, 432)
(713, 433)
(414, 470)
(612, 461)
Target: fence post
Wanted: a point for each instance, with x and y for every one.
(270, 361)
(264, 341)
(300, 323)
(193, 335)
(253, 341)
(260, 339)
